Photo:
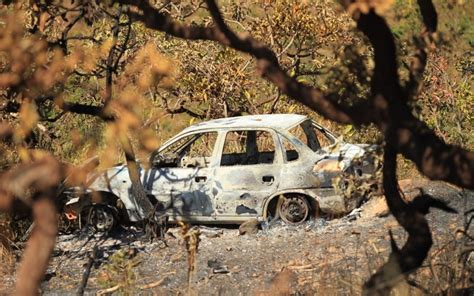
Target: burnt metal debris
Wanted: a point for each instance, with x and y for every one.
(231, 170)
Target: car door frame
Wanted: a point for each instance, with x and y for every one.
(168, 197)
(297, 174)
(252, 201)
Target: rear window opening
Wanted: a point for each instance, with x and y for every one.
(312, 135)
(291, 153)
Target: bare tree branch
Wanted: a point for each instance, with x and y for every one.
(415, 250)
(429, 14)
(78, 108)
(42, 177)
(415, 140)
(267, 60)
(406, 134)
(39, 247)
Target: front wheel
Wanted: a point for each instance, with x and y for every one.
(101, 217)
(293, 209)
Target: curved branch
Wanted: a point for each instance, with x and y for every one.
(428, 12)
(39, 247)
(271, 70)
(415, 140)
(42, 177)
(385, 80)
(154, 19)
(406, 134)
(418, 64)
(415, 250)
(267, 60)
(77, 108)
(432, 156)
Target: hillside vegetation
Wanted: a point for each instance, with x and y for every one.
(314, 43)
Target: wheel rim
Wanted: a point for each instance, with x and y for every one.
(294, 210)
(101, 218)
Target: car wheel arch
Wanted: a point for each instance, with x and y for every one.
(271, 202)
(99, 197)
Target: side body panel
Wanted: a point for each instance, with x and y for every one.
(182, 191)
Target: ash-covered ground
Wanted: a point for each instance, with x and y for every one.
(319, 257)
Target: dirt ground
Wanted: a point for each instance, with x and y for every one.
(319, 257)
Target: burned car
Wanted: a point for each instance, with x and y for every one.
(230, 170)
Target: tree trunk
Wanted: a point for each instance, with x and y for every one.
(138, 191)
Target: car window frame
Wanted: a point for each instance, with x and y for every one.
(326, 131)
(278, 159)
(181, 136)
(282, 137)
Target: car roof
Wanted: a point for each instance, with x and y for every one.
(275, 121)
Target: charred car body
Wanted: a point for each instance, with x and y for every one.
(230, 170)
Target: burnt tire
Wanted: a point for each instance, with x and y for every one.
(293, 209)
(101, 217)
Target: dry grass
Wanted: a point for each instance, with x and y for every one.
(7, 258)
(7, 261)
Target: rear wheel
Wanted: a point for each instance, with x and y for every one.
(293, 209)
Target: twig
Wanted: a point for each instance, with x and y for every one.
(87, 271)
(109, 290)
(28, 232)
(435, 276)
(300, 267)
(152, 285)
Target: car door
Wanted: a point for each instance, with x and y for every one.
(182, 183)
(247, 172)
